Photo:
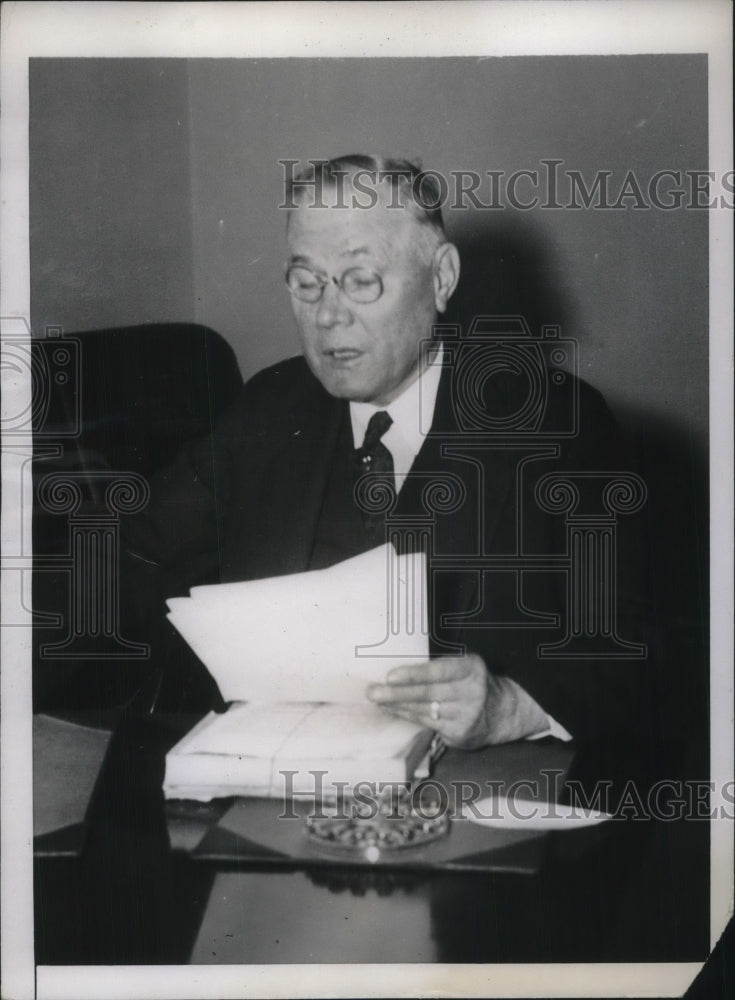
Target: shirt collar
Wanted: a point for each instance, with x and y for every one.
(412, 414)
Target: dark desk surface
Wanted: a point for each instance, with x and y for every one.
(619, 892)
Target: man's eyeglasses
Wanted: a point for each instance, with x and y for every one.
(358, 283)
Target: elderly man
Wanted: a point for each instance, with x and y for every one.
(369, 271)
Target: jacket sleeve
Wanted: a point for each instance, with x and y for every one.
(172, 545)
(615, 700)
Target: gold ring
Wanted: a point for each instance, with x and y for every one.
(434, 711)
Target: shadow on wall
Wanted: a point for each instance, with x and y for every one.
(511, 270)
(508, 269)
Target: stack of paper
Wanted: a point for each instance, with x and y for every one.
(317, 636)
(300, 650)
(288, 749)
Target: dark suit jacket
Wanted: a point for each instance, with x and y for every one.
(246, 502)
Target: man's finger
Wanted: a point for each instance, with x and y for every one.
(414, 693)
(421, 710)
(447, 668)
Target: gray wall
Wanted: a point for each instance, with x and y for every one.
(155, 187)
(110, 193)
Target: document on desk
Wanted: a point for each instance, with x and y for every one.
(286, 749)
(320, 636)
(294, 654)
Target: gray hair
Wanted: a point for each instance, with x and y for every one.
(418, 190)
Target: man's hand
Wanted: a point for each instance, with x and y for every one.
(459, 698)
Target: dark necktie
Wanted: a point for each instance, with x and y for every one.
(375, 460)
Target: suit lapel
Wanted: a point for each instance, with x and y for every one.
(288, 490)
(307, 462)
(451, 455)
(487, 474)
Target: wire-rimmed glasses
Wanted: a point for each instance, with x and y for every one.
(359, 284)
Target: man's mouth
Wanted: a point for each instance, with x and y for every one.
(343, 353)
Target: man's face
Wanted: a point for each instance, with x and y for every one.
(367, 352)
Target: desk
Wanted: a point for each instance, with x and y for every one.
(620, 892)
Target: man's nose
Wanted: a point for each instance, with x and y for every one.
(333, 307)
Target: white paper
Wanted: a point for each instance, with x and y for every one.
(240, 731)
(317, 636)
(304, 731)
(526, 814)
(350, 732)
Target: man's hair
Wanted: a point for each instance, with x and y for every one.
(411, 187)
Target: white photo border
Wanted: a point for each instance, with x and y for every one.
(331, 30)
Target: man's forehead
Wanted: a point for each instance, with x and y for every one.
(347, 231)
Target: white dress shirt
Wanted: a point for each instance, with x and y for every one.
(412, 414)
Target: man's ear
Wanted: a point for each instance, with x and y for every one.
(446, 274)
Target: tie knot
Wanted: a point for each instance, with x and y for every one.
(376, 428)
